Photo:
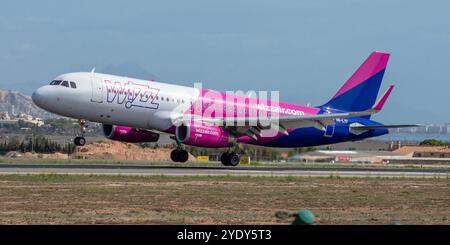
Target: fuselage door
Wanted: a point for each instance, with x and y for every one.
(329, 132)
(97, 89)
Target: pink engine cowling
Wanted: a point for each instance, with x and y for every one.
(127, 134)
(203, 135)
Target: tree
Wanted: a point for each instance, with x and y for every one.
(38, 144)
(434, 142)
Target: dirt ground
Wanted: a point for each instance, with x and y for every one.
(106, 150)
(61, 199)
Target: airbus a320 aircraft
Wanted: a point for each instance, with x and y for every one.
(133, 110)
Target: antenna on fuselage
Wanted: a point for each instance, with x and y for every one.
(93, 70)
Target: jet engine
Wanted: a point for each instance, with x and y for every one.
(204, 135)
(127, 134)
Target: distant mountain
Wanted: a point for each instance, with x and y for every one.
(20, 103)
(129, 69)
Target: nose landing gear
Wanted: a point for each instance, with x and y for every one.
(80, 140)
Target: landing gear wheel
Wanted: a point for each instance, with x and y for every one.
(174, 155)
(224, 158)
(179, 155)
(183, 156)
(234, 159)
(230, 159)
(79, 141)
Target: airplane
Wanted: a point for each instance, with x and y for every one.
(134, 110)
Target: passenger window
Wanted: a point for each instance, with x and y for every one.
(73, 85)
(65, 84)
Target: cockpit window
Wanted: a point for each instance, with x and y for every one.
(65, 84)
(73, 85)
(55, 82)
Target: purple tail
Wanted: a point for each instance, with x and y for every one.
(360, 92)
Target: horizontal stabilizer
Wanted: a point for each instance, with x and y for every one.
(363, 127)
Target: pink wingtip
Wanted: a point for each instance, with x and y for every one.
(383, 99)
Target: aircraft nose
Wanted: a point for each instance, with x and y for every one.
(38, 96)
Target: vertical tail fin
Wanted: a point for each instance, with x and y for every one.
(361, 89)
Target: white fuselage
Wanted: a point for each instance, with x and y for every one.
(116, 100)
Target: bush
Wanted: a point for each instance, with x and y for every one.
(434, 142)
(35, 143)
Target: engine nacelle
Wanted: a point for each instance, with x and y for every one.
(204, 135)
(127, 134)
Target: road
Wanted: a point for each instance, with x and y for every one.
(145, 170)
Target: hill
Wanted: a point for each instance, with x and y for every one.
(16, 102)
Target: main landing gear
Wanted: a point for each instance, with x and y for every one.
(80, 140)
(230, 159)
(179, 155)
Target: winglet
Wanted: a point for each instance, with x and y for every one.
(380, 103)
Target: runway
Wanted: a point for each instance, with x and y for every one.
(149, 170)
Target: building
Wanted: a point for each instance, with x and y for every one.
(4, 116)
(326, 156)
(421, 155)
(403, 155)
(424, 151)
(7, 118)
(437, 154)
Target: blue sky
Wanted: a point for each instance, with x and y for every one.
(304, 49)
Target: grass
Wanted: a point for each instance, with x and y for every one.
(217, 164)
(116, 199)
(67, 178)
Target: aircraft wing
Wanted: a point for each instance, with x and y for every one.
(287, 121)
(319, 121)
(251, 126)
